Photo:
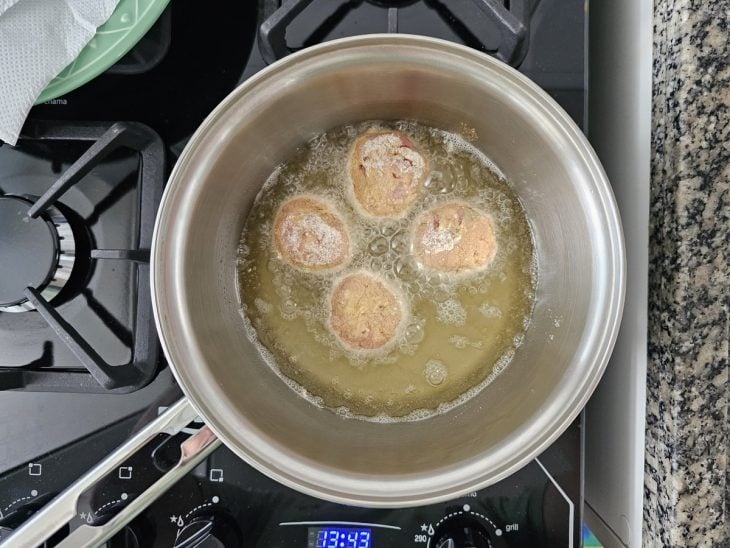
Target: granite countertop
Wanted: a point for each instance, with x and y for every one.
(687, 429)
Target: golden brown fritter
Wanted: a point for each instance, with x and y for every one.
(309, 235)
(454, 237)
(366, 313)
(386, 172)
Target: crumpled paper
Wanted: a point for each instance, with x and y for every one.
(38, 39)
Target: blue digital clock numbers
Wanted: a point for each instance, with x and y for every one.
(339, 537)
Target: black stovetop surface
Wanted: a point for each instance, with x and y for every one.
(209, 54)
(204, 54)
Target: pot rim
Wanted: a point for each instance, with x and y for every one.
(401, 492)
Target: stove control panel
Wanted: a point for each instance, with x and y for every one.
(224, 503)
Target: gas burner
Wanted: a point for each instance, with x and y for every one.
(34, 252)
(74, 248)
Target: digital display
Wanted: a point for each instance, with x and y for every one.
(339, 537)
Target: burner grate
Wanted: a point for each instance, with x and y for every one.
(96, 374)
(509, 16)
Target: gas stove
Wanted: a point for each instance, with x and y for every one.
(80, 366)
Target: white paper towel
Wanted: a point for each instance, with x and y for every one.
(38, 39)
(5, 4)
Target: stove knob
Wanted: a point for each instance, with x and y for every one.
(10, 521)
(464, 533)
(138, 534)
(126, 538)
(209, 531)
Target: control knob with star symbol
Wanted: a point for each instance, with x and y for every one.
(11, 520)
(137, 534)
(209, 530)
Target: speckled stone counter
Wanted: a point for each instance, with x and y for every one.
(687, 433)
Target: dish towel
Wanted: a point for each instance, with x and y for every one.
(38, 39)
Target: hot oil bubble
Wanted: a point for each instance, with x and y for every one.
(435, 372)
(440, 294)
(451, 312)
(455, 143)
(461, 183)
(389, 229)
(378, 246)
(459, 341)
(370, 232)
(404, 269)
(429, 180)
(377, 264)
(400, 242)
(407, 349)
(443, 185)
(414, 332)
(388, 273)
(262, 306)
(288, 310)
(490, 311)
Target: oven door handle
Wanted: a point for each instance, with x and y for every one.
(62, 509)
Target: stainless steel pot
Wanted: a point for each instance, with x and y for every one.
(580, 254)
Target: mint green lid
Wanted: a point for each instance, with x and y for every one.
(128, 23)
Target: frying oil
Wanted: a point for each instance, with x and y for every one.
(461, 331)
